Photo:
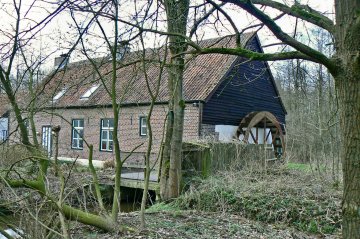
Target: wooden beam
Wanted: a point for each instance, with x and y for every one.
(267, 136)
(252, 135)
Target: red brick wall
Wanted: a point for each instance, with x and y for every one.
(128, 133)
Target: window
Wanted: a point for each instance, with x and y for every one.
(3, 135)
(58, 95)
(143, 126)
(106, 134)
(89, 92)
(77, 135)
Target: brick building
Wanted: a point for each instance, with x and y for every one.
(219, 91)
(4, 117)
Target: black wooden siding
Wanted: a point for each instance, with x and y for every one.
(247, 87)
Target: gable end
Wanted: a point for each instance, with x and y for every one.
(248, 86)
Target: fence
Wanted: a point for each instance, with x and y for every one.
(209, 157)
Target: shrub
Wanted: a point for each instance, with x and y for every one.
(288, 196)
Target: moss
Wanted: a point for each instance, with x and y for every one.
(182, 104)
(299, 10)
(104, 223)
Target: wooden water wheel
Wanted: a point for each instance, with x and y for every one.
(267, 129)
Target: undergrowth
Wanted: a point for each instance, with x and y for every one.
(281, 195)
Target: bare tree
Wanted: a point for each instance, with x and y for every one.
(18, 39)
(344, 66)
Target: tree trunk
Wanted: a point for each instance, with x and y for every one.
(32, 108)
(178, 128)
(348, 89)
(177, 13)
(116, 111)
(349, 104)
(165, 154)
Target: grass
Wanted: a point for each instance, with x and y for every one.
(288, 195)
(299, 166)
(193, 224)
(163, 207)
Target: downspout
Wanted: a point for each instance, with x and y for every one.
(8, 126)
(201, 107)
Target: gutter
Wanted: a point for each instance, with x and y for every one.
(123, 105)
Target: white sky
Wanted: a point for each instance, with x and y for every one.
(58, 35)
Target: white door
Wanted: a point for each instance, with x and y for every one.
(47, 139)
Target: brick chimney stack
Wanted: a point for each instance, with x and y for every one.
(61, 61)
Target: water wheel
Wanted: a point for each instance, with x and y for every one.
(261, 127)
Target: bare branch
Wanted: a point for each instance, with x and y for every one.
(203, 18)
(218, 7)
(303, 12)
(255, 55)
(312, 54)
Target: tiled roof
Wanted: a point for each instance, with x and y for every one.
(23, 100)
(4, 105)
(202, 74)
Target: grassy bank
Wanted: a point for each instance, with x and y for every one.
(289, 196)
(194, 224)
(283, 202)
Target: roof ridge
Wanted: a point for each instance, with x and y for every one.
(106, 59)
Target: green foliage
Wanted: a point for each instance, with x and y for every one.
(299, 166)
(292, 198)
(161, 207)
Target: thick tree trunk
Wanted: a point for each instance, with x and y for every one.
(348, 89)
(177, 13)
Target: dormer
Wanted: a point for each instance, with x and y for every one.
(89, 92)
(59, 95)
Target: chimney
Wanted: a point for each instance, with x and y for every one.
(123, 48)
(61, 61)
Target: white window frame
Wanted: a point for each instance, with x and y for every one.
(142, 126)
(89, 92)
(4, 135)
(77, 141)
(46, 140)
(107, 129)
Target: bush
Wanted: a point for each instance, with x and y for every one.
(288, 196)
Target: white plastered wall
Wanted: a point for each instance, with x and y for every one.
(227, 133)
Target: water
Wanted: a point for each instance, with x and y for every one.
(130, 206)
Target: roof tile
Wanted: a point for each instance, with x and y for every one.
(202, 74)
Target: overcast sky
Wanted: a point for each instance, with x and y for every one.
(58, 35)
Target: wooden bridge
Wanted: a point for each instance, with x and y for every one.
(132, 176)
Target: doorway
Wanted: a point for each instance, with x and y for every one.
(47, 139)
